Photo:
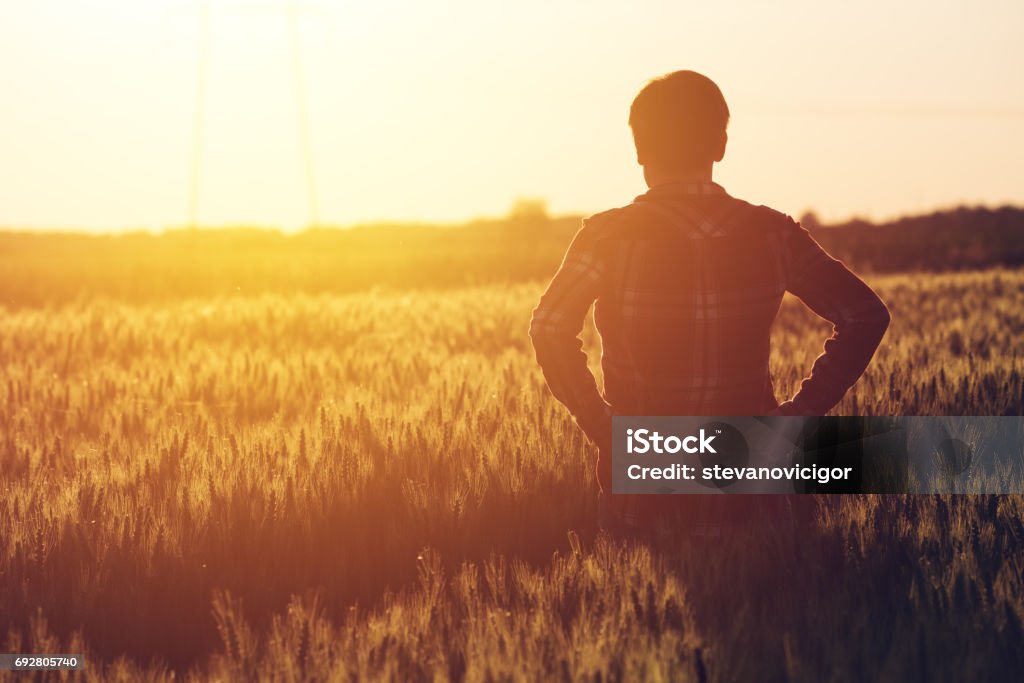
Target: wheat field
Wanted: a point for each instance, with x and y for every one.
(378, 486)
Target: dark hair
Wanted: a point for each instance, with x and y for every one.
(678, 120)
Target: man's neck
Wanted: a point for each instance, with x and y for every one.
(656, 176)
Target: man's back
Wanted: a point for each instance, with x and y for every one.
(687, 281)
(693, 281)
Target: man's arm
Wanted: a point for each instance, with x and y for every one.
(555, 327)
(859, 318)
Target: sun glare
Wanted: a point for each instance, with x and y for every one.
(295, 112)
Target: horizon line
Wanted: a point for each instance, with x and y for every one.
(455, 223)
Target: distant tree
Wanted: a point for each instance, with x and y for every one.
(810, 221)
(529, 210)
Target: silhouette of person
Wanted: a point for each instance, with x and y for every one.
(687, 281)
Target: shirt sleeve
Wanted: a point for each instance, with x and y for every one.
(858, 316)
(555, 328)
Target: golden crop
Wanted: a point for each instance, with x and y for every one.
(377, 485)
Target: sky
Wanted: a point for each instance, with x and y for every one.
(446, 110)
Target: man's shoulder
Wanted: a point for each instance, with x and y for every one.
(604, 221)
(624, 219)
(765, 217)
(600, 228)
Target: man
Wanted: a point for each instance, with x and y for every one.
(687, 281)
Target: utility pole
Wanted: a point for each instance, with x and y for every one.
(200, 113)
(301, 107)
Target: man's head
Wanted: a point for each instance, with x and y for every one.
(679, 123)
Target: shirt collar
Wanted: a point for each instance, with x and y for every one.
(685, 188)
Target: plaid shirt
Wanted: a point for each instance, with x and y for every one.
(687, 281)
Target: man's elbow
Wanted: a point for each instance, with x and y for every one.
(882, 316)
(551, 341)
(535, 327)
(545, 325)
(540, 334)
(869, 323)
(877, 321)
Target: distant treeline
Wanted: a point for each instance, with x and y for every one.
(959, 239)
(59, 268)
